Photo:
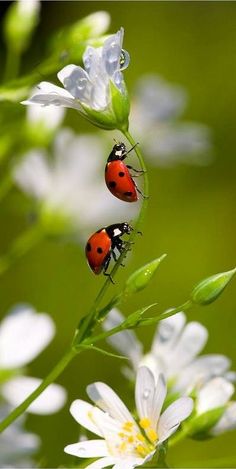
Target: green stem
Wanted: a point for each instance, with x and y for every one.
(91, 318)
(12, 64)
(143, 322)
(145, 179)
(56, 371)
(21, 246)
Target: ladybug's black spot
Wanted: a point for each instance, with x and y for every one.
(99, 250)
(112, 184)
(121, 174)
(88, 247)
(128, 194)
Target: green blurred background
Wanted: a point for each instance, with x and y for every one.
(191, 213)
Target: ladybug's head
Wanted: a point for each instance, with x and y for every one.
(125, 228)
(118, 152)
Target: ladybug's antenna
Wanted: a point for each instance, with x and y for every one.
(116, 141)
(132, 148)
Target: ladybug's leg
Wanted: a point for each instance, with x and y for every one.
(140, 171)
(114, 255)
(105, 267)
(140, 192)
(115, 258)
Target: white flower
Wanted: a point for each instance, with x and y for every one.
(174, 351)
(124, 442)
(72, 184)
(16, 390)
(227, 422)
(155, 117)
(88, 89)
(215, 396)
(16, 445)
(24, 333)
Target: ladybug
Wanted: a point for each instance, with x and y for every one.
(117, 176)
(102, 244)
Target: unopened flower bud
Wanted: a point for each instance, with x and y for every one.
(210, 288)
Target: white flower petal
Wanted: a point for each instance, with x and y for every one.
(156, 364)
(157, 101)
(105, 398)
(49, 116)
(190, 343)
(215, 393)
(76, 81)
(83, 413)
(111, 52)
(173, 416)
(16, 390)
(167, 333)
(23, 335)
(144, 392)
(88, 449)
(126, 464)
(33, 174)
(100, 463)
(15, 443)
(149, 397)
(49, 94)
(126, 342)
(201, 370)
(230, 376)
(227, 422)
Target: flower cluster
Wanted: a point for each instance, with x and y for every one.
(126, 442)
(175, 353)
(24, 334)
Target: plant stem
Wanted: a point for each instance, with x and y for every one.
(145, 179)
(91, 318)
(56, 371)
(21, 246)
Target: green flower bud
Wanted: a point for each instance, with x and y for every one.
(120, 106)
(210, 288)
(20, 22)
(141, 278)
(134, 319)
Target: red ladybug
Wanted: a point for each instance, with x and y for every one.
(102, 244)
(117, 176)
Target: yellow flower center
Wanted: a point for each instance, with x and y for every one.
(142, 443)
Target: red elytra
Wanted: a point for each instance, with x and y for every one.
(97, 249)
(119, 181)
(102, 245)
(117, 175)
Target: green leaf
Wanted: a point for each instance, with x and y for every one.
(134, 319)
(102, 351)
(210, 288)
(141, 278)
(199, 426)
